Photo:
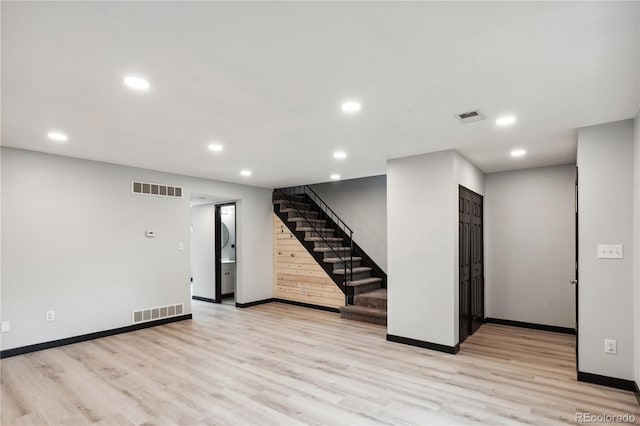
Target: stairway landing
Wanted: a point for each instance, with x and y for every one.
(370, 306)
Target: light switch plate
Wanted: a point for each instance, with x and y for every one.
(6, 327)
(610, 251)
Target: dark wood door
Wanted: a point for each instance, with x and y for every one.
(464, 262)
(476, 251)
(471, 262)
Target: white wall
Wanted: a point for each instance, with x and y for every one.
(420, 230)
(468, 175)
(362, 204)
(1, 334)
(74, 241)
(636, 245)
(605, 196)
(203, 265)
(422, 251)
(530, 245)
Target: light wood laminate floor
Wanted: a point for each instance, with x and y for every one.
(281, 364)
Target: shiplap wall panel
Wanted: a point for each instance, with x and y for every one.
(297, 276)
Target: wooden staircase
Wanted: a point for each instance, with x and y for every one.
(360, 279)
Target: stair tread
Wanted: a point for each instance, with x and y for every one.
(364, 310)
(338, 260)
(364, 281)
(284, 200)
(282, 197)
(323, 239)
(292, 209)
(322, 249)
(305, 206)
(378, 294)
(355, 270)
(308, 228)
(304, 219)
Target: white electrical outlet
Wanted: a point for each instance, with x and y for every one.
(180, 246)
(610, 346)
(50, 316)
(6, 327)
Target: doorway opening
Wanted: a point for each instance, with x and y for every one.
(470, 262)
(225, 253)
(213, 250)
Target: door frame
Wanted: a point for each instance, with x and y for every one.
(217, 223)
(471, 330)
(577, 281)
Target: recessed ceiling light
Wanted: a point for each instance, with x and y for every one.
(351, 106)
(215, 147)
(335, 176)
(136, 83)
(57, 136)
(506, 120)
(245, 173)
(339, 155)
(518, 152)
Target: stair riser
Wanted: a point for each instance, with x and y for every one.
(320, 244)
(349, 264)
(371, 302)
(289, 205)
(279, 196)
(308, 215)
(358, 275)
(310, 223)
(321, 229)
(311, 234)
(365, 288)
(363, 318)
(339, 253)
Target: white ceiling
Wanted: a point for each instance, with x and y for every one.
(267, 80)
(200, 199)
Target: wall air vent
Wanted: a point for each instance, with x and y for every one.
(470, 117)
(156, 189)
(151, 314)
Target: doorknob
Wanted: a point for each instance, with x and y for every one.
(573, 281)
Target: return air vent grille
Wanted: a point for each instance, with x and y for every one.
(470, 117)
(156, 189)
(152, 314)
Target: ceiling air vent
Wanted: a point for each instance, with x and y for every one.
(156, 189)
(470, 117)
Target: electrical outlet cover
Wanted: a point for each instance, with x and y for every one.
(610, 346)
